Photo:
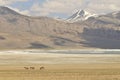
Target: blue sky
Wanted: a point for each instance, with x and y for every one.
(61, 8)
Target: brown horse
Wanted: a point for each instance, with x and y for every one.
(41, 68)
(26, 68)
(32, 68)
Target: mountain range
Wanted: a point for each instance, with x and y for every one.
(83, 31)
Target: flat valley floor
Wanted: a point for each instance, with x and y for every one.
(24, 65)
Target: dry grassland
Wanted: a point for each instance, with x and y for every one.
(62, 72)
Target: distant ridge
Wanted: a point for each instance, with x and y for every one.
(6, 10)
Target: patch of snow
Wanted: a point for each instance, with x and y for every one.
(80, 15)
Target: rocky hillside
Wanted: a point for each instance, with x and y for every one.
(19, 31)
(22, 32)
(103, 31)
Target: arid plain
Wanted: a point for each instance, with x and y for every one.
(58, 66)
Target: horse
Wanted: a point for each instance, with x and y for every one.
(26, 68)
(41, 68)
(32, 68)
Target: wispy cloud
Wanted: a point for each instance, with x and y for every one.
(62, 7)
(56, 6)
(69, 6)
(6, 2)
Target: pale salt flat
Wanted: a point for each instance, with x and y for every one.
(59, 56)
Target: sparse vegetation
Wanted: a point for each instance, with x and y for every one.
(61, 74)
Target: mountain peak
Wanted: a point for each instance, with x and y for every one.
(81, 12)
(116, 14)
(80, 15)
(5, 10)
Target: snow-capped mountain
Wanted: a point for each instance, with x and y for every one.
(80, 15)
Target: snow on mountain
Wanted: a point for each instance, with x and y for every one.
(115, 14)
(80, 15)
